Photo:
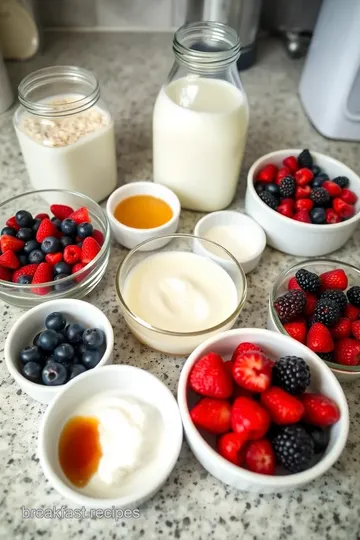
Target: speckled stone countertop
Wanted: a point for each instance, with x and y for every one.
(192, 504)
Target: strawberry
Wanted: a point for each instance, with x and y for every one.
(260, 457)
(43, 274)
(46, 228)
(285, 209)
(293, 284)
(355, 330)
(351, 312)
(341, 329)
(332, 188)
(99, 237)
(311, 301)
(229, 366)
(209, 377)
(347, 352)
(72, 254)
(303, 177)
(302, 192)
(291, 163)
(297, 330)
(27, 270)
(320, 410)
(9, 260)
(61, 211)
(5, 274)
(268, 173)
(245, 347)
(80, 216)
(213, 415)
(230, 445)
(10, 243)
(284, 171)
(334, 279)
(319, 339)
(53, 258)
(42, 216)
(11, 222)
(348, 196)
(90, 248)
(331, 216)
(250, 418)
(282, 406)
(302, 215)
(342, 208)
(252, 371)
(304, 204)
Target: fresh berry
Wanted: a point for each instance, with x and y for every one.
(273, 189)
(283, 407)
(30, 246)
(80, 216)
(84, 230)
(348, 196)
(74, 370)
(57, 222)
(24, 218)
(353, 295)
(302, 192)
(297, 330)
(69, 227)
(90, 248)
(9, 231)
(9, 260)
(336, 296)
(347, 352)
(66, 241)
(94, 338)
(48, 340)
(24, 234)
(46, 228)
(320, 437)
(260, 457)
(326, 356)
(76, 268)
(64, 354)
(311, 301)
(54, 258)
(351, 312)
(213, 415)
(292, 163)
(23, 258)
(318, 216)
(74, 333)
(43, 274)
(343, 209)
(259, 187)
(321, 178)
(284, 171)
(249, 418)
(61, 211)
(36, 226)
(42, 216)
(72, 254)
(287, 187)
(30, 354)
(60, 284)
(355, 329)
(252, 371)
(210, 378)
(290, 305)
(320, 197)
(11, 222)
(342, 329)
(304, 204)
(305, 159)
(292, 374)
(50, 245)
(320, 410)
(28, 270)
(334, 279)
(268, 199)
(286, 209)
(331, 216)
(267, 173)
(99, 237)
(294, 448)
(10, 243)
(293, 284)
(32, 371)
(62, 267)
(303, 177)
(246, 346)
(327, 312)
(303, 216)
(319, 339)
(36, 257)
(91, 358)
(342, 181)
(54, 374)
(308, 281)
(55, 321)
(332, 188)
(230, 447)
(5, 274)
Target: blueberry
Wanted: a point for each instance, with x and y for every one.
(64, 354)
(74, 370)
(66, 241)
(25, 234)
(23, 258)
(74, 333)
(32, 371)
(54, 373)
(62, 285)
(24, 280)
(9, 231)
(316, 170)
(48, 340)
(30, 246)
(30, 354)
(57, 222)
(260, 187)
(93, 338)
(24, 218)
(317, 216)
(273, 189)
(62, 338)
(80, 349)
(320, 437)
(36, 225)
(55, 321)
(69, 227)
(91, 358)
(50, 245)
(36, 257)
(36, 340)
(317, 182)
(322, 176)
(85, 229)
(62, 268)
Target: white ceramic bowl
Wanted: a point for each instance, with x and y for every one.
(248, 229)
(33, 321)
(130, 381)
(130, 237)
(294, 237)
(274, 345)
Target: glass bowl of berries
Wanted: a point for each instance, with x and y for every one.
(307, 203)
(317, 302)
(53, 244)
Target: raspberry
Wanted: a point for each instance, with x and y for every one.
(292, 374)
(320, 196)
(294, 448)
(353, 295)
(268, 199)
(72, 254)
(287, 187)
(342, 181)
(327, 312)
(290, 305)
(308, 281)
(336, 296)
(305, 159)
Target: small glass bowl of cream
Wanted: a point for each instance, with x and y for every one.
(139, 211)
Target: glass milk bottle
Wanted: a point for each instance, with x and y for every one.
(201, 118)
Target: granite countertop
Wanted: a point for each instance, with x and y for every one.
(192, 504)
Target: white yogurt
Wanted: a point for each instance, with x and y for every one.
(199, 135)
(233, 239)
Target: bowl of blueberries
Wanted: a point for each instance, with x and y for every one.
(55, 342)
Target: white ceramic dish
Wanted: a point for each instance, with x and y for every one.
(294, 237)
(33, 321)
(275, 345)
(248, 228)
(130, 237)
(133, 382)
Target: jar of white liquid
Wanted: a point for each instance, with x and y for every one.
(201, 118)
(66, 133)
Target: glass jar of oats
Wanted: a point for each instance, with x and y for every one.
(65, 132)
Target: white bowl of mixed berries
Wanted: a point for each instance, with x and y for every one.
(261, 412)
(306, 202)
(317, 303)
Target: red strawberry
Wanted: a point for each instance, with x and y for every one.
(302, 192)
(291, 163)
(53, 258)
(293, 284)
(260, 457)
(213, 415)
(42, 216)
(342, 208)
(46, 228)
(334, 279)
(80, 216)
(348, 196)
(89, 250)
(11, 243)
(355, 330)
(9, 260)
(284, 171)
(311, 301)
(331, 216)
(209, 377)
(319, 339)
(351, 312)
(230, 445)
(332, 188)
(72, 254)
(347, 352)
(341, 329)
(302, 215)
(11, 222)
(297, 330)
(285, 209)
(320, 410)
(61, 211)
(252, 370)
(282, 407)
(304, 204)
(99, 237)
(267, 173)
(5, 274)
(303, 177)
(27, 270)
(43, 274)
(245, 347)
(229, 366)
(250, 418)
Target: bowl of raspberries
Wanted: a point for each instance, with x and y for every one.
(53, 244)
(317, 303)
(261, 412)
(306, 202)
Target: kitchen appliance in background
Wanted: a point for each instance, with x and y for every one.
(19, 30)
(242, 15)
(6, 95)
(330, 82)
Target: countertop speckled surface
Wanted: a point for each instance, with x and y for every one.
(192, 504)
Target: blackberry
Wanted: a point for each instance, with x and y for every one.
(326, 356)
(353, 295)
(287, 187)
(292, 374)
(342, 181)
(305, 159)
(269, 199)
(336, 296)
(290, 305)
(308, 281)
(294, 448)
(327, 312)
(320, 196)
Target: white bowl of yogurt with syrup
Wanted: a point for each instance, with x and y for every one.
(173, 297)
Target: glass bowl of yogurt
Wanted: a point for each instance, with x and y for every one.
(173, 297)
